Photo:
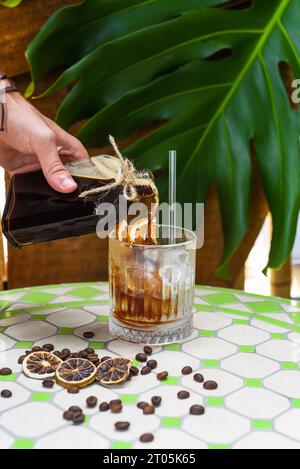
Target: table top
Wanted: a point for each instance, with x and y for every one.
(249, 344)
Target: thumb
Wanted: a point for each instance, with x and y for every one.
(54, 171)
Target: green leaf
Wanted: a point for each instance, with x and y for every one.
(211, 73)
(10, 3)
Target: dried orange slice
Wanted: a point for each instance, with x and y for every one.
(113, 370)
(41, 365)
(76, 372)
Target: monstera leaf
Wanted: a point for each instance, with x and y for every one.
(215, 75)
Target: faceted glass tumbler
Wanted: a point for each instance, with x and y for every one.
(152, 288)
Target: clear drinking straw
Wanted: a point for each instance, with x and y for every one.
(172, 195)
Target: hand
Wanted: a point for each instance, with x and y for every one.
(31, 141)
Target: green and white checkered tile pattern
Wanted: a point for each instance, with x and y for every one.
(249, 344)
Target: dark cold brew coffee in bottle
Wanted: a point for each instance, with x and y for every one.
(34, 212)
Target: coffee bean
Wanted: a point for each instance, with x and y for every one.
(141, 357)
(156, 400)
(93, 357)
(6, 393)
(75, 408)
(122, 426)
(146, 438)
(91, 401)
(142, 404)
(149, 409)
(36, 348)
(48, 347)
(115, 402)
(146, 370)
(78, 418)
(74, 390)
(65, 353)
(186, 370)
(57, 353)
(5, 371)
(134, 370)
(48, 383)
(68, 415)
(210, 385)
(197, 410)
(74, 355)
(88, 334)
(148, 350)
(162, 375)
(89, 350)
(21, 359)
(83, 354)
(198, 377)
(103, 359)
(104, 406)
(152, 364)
(116, 408)
(76, 414)
(183, 395)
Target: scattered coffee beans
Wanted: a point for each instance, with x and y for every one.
(68, 415)
(149, 409)
(156, 401)
(105, 358)
(75, 414)
(91, 401)
(115, 402)
(142, 404)
(65, 354)
(183, 395)
(116, 408)
(210, 385)
(146, 438)
(6, 393)
(74, 390)
(78, 418)
(104, 406)
(21, 359)
(5, 371)
(146, 370)
(75, 408)
(47, 347)
(141, 357)
(198, 377)
(186, 370)
(152, 364)
(134, 370)
(88, 334)
(36, 348)
(122, 426)
(48, 383)
(148, 350)
(162, 375)
(197, 410)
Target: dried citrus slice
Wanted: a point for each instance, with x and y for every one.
(41, 365)
(113, 370)
(76, 372)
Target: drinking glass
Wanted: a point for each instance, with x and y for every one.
(152, 287)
